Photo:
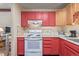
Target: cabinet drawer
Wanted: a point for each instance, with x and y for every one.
(47, 43)
(47, 40)
(47, 46)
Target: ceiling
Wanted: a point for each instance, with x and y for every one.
(43, 5)
(5, 5)
(35, 5)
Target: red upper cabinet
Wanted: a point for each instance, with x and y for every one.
(30, 15)
(48, 18)
(24, 20)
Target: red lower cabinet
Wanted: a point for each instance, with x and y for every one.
(47, 46)
(60, 46)
(70, 52)
(55, 45)
(68, 49)
(50, 46)
(20, 46)
(71, 49)
(47, 51)
(62, 50)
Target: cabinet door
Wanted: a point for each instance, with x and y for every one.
(45, 17)
(73, 46)
(39, 15)
(52, 18)
(77, 7)
(49, 18)
(61, 48)
(61, 17)
(70, 51)
(51, 44)
(24, 19)
(55, 46)
(47, 51)
(71, 9)
(20, 45)
(69, 18)
(31, 15)
(47, 46)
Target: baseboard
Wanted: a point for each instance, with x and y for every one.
(50, 55)
(20, 55)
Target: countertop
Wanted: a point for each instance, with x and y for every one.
(64, 38)
(70, 39)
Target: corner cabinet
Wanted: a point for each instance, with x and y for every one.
(65, 16)
(76, 7)
(20, 46)
(48, 18)
(68, 49)
(71, 10)
(71, 49)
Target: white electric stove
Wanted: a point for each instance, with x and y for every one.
(33, 43)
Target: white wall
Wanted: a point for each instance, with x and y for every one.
(16, 17)
(5, 19)
(74, 27)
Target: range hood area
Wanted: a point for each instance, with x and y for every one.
(34, 23)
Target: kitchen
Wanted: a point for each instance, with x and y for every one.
(44, 29)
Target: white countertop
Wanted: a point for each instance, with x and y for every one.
(67, 38)
(63, 37)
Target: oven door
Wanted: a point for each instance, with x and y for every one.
(33, 47)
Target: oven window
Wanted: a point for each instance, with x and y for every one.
(33, 44)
